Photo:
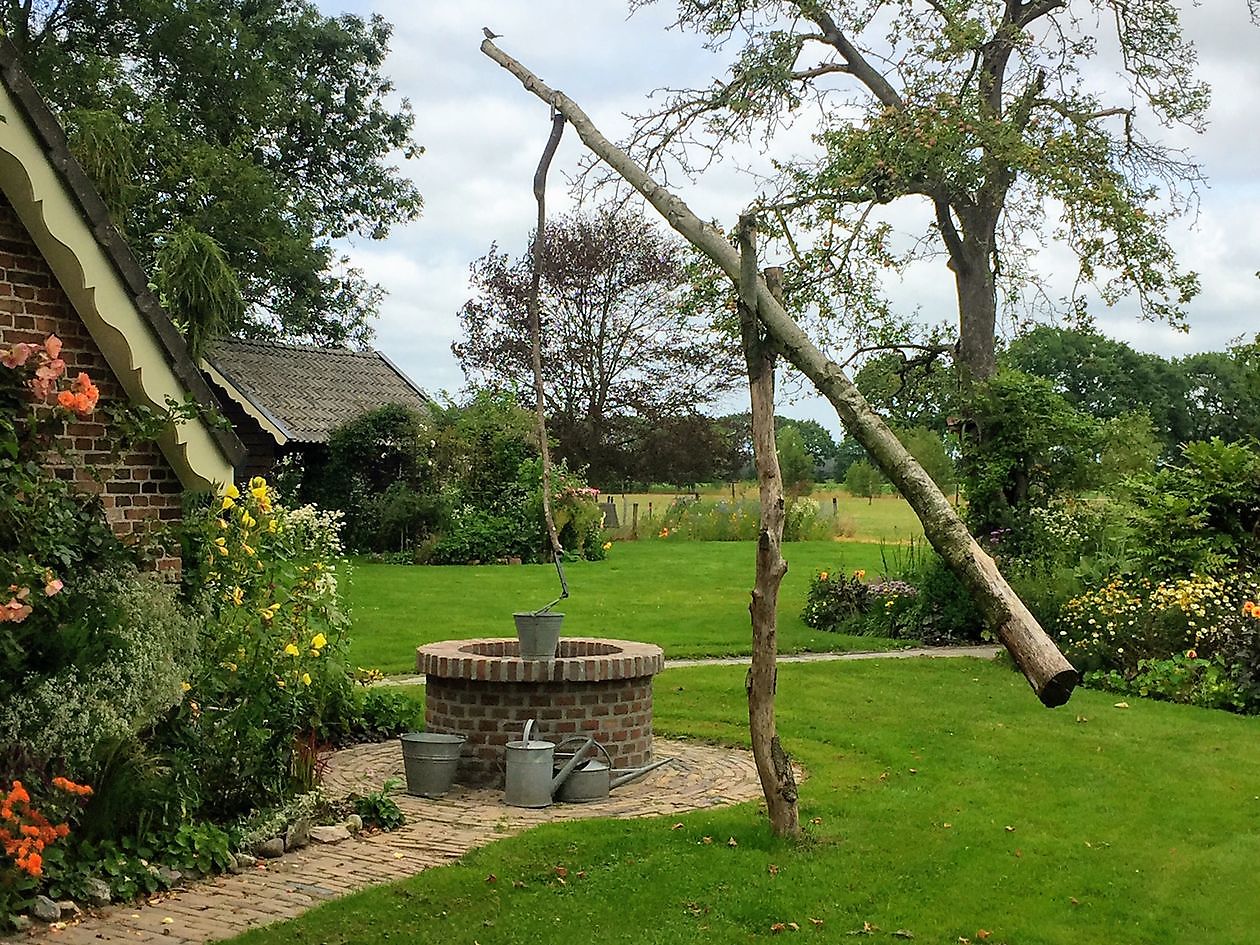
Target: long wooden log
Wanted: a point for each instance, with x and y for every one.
(774, 768)
(1049, 673)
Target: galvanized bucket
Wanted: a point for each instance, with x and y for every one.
(430, 761)
(539, 634)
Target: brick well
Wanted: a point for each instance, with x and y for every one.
(482, 689)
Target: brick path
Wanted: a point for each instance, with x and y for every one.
(436, 832)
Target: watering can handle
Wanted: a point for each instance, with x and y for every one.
(529, 730)
(584, 739)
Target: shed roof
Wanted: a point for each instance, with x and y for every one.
(301, 393)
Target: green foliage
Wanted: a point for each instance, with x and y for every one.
(370, 714)
(1202, 516)
(833, 600)
(863, 479)
(272, 656)
(1029, 446)
(172, 107)
(1194, 639)
(379, 471)
(796, 465)
(197, 287)
(378, 809)
(685, 519)
(929, 449)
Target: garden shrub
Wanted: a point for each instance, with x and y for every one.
(143, 645)
(1202, 516)
(272, 655)
(1195, 638)
(834, 600)
(370, 714)
(735, 520)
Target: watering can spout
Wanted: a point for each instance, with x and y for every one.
(625, 776)
(563, 774)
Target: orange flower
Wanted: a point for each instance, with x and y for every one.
(65, 399)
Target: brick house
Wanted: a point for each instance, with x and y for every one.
(66, 270)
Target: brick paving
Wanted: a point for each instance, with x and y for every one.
(436, 832)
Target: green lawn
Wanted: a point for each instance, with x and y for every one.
(946, 801)
(689, 597)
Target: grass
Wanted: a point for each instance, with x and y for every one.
(886, 518)
(691, 598)
(942, 801)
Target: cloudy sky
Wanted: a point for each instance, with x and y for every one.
(483, 133)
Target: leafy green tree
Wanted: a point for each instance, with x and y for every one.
(1036, 446)
(796, 465)
(1104, 377)
(909, 392)
(234, 141)
(865, 480)
(1222, 393)
(981, 115)
(929, 449)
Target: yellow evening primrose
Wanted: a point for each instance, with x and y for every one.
(227, 502)
(292, 650)
(184, 687)
(231, 492)
(319, 641)
(271, 526)
(247, 549)
(248, 520)
(238, 596)
(258, 482)
(306, 679)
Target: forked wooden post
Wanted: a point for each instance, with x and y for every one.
(1049, 673)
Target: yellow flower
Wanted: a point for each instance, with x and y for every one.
(184, 687)
(220, 542)
(859, 574)
(269, 613)
(231, 492)
(247, 549)
(248, 520)
(607, 545)
(822, 575)
(258, 482)
(238, 596)
(306, 679)
(271, 525)
(292, 650)
(319, 641)
(279, 682)
(230, 667)
(227, 502)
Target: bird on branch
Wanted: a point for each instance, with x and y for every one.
(490, 34)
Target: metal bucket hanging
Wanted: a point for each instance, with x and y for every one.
(538, 634)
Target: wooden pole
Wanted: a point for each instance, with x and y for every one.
(774, 768)
(1049, 673)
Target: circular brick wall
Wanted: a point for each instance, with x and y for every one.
(484, 690)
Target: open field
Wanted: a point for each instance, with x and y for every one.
(689, 597)
(942, 802)
(886, 518)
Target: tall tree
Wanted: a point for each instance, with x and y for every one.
(617, 341)
(980, 115)
(235, 142)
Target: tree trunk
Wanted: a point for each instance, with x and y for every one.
(977, 313)
(778, 782)
(1046, 669)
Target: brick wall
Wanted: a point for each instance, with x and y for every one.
(617, 712)
(143, 490)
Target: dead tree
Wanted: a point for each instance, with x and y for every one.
(1049, 673)
(778, 782)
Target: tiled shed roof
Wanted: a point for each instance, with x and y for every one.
(306, 392)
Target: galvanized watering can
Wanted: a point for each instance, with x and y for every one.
(530, 780)
(593, 780)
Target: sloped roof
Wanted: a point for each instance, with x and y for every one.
(301, 393)
(65, 216)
